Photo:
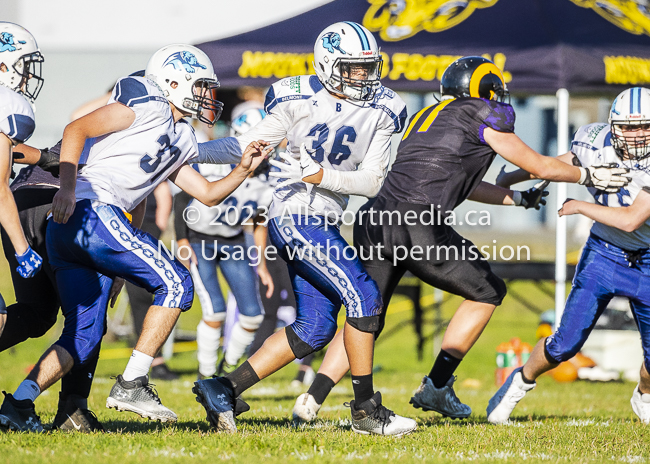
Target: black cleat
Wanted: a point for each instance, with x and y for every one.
(217, 396)
(72, 416)
(19, 415)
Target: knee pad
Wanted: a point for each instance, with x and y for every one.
(251, 322)
(300, 349)
(214, 317)
(370, 324)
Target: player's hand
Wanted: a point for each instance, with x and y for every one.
(116, 288)
(605, 177)
(501, 178)
(254, 154)
(569, 207)
(63, 205)
(294, 170)
(29, 263)
(266, 279)
(533, 197)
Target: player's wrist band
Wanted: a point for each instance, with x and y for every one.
(516, 197)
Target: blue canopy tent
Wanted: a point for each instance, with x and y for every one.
(542, 46)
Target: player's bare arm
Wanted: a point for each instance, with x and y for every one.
(627, 219)
(506, 179)
(213, 193)
(105, 120)
(513, 149)
(8, 211)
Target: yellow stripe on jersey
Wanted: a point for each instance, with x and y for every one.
(415, 119)
(433, 115)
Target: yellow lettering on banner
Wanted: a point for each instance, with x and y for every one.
(279, 65)
(626, 70)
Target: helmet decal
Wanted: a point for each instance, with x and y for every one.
(362, 35)
(183, 61)
(7, 42)
(480, 72)
(332, 41)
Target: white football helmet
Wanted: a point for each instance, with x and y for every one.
(20, 61)
(347, 60)
(245, 121)
(631, 111)
(186, 76)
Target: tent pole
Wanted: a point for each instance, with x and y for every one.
(560, 228)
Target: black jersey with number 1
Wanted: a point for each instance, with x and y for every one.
(443, 156)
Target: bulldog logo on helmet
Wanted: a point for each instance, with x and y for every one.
(183, 61)
(8, 43)
(332, 41)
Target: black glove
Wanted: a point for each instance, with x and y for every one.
(534, 197)
(49, 161)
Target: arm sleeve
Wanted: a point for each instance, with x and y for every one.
(368, 179)
(229, 150)
(181, 200)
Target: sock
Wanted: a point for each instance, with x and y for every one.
(27, 390)
(321, 387)
(240, 339)
(523, 377)
(243, 378)
(80, 379)
(443, 369)
(138, 366)
(301, 376)
(208, 340)
(362, 386)
(81, 403)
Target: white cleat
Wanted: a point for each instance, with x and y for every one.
(372, 417)
(441, 400)
(641, 405)
(306, 409)
(506, 398)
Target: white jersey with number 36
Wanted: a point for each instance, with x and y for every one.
(592, 145)
(124, 167)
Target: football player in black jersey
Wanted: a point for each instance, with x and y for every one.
(442, 158)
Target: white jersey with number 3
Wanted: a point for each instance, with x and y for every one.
(124, 167)
(592, 145)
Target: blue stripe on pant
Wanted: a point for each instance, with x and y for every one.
(602, 273)
(325, 274)
(94, 246)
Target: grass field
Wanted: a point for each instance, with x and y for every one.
(579, 422)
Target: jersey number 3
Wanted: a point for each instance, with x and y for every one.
(149, 164)
(340, 151)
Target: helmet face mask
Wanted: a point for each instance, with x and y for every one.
(474, 76)
(629, 120)
(208, 108)
(347, 61)
(21, 61)
(187, 79)
(357, 79)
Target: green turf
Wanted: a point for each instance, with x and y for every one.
(579, 422)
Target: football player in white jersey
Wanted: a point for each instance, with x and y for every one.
(217, 238)
(20, 84)
(135, 142)
(616, 259)
(338, 125)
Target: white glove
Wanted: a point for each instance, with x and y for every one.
(295, 171)
(606, 177)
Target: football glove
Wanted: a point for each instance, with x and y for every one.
(605, 177)
(294, 170)
(533, 197)
(49, 161)
(29, 263)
